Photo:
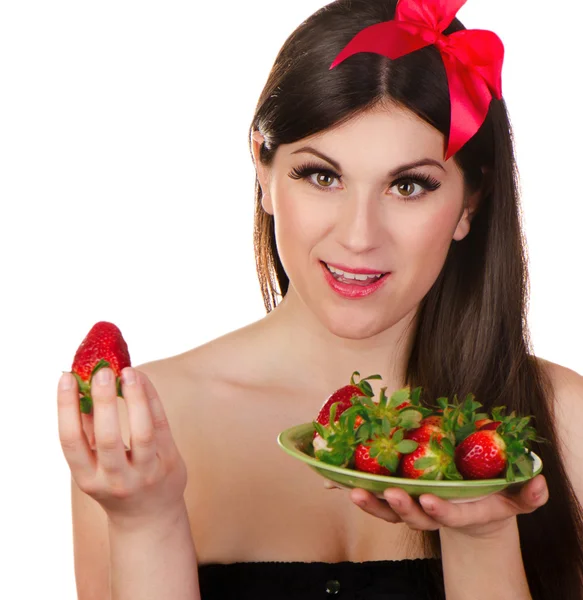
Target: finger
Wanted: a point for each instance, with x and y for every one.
(531, 495)
(494, 508)
(108, 441)
(142, 434)
(409, 511)
(164, 439)
(374, 506)
(330, 485)
(73, 441)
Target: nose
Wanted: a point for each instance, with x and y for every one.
(359, 226)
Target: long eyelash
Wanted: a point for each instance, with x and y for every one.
(429, 183)
(307, 169)
(425, 181)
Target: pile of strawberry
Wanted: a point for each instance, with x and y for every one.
(399, 436)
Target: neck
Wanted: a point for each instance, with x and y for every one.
(313, 353)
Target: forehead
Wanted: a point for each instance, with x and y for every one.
(377, 140)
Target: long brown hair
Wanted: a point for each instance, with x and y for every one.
(472, 333)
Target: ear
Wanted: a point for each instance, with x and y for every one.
(463, 226)
(470, 206)
(262, 172)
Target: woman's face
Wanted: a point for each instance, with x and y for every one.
(346, 211)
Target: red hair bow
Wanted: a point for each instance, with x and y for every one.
(472, 57)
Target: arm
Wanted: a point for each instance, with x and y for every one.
(485, 567)
(153, 561)
(132, 536)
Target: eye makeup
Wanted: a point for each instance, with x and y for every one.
(306, 170)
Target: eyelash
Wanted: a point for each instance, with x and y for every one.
(427, 182)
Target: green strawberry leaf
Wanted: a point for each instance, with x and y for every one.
(84, 386)
(525, 465)
(410, 418)
(390, 462)
(425, 463)
(399, 397)
(416, 395)
(86, 404)
(386, 426)
(442, 403)
(372, 377)
(398, 435)
(366, 401)
(320, 429)
(510, 473)
(447, 446)
(100, 365)
(366, 388)
(406, 446)
(450, 472)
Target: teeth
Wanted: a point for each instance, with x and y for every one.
(358, 276)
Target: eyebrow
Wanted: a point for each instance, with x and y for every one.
(394, 173)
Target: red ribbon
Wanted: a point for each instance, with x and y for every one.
(472, 57)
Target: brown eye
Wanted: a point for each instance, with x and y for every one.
(324, 179)
(408, 187)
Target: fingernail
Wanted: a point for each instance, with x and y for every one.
(129, 376)
(66, 381)
(103, 376)
(427, 505)
(394, 502)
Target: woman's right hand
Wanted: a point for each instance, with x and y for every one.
(135, 486)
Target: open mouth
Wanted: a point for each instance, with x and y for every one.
(359, 279)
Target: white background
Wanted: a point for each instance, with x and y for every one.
(126, 190)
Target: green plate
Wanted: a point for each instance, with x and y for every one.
(297, 442)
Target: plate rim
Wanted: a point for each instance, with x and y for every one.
(285, 437)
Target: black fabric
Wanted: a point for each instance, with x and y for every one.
(378, 580)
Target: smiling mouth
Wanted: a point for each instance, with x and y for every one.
(361, 279)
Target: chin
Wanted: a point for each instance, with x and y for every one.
(353, 328)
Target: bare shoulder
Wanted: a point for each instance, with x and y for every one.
(197, 383)
(567, 387)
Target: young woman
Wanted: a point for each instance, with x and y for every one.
(351, 179)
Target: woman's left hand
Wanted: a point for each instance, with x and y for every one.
(481, 517)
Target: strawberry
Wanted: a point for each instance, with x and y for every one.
(433, 459)
(429, 426)
(103, 346)
(487, 424)
(487, 453)
(381, 453)
(482, 455)
(364, 462)
(343, 397)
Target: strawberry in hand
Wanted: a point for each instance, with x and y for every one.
(103, 346)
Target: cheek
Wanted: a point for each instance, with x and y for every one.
(425, 242)
(299, 223)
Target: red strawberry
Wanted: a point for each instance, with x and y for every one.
(343, 397)
(433, 459)
(103, 346)
(487, 424)
(487, 453)
(381, 454)
(428, 427)
(482, 455)
(364, 462)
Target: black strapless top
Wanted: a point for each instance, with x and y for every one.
(417, 579)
